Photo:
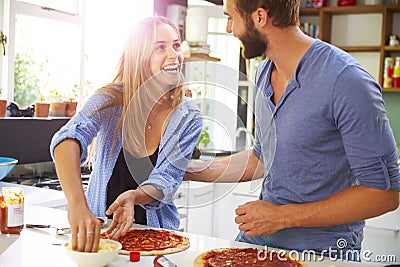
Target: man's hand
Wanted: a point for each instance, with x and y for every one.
(259, 217)
(123, 212)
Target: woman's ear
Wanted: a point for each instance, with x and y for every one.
(260, 17)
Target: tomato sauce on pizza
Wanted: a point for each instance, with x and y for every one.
(152, 241)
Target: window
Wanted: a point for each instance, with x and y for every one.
(43, 51)
(62, 50)
(46, 63)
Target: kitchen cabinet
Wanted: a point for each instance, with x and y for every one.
(228, 196)
(199, 210)
(386, 17)
(382, 235)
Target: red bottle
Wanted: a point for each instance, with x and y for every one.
(346, 2)
(320, 3)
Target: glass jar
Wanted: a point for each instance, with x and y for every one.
(11, 210)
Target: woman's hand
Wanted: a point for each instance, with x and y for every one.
(85, 228)
(123, 212)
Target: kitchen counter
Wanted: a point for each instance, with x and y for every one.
(43, 248)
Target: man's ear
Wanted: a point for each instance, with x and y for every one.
(260, 17)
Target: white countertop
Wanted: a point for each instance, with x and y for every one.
(40, 248)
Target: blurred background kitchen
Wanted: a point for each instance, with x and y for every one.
(59, 52)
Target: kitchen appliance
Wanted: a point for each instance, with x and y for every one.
(177, 13)
(47, 180)
(196, 25)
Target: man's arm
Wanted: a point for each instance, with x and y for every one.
(242, 166)
(350, 205)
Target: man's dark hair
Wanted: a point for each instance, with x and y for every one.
(284, 13)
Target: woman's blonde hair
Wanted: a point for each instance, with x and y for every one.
(136, 88)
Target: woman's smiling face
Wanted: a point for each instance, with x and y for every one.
(167, 56)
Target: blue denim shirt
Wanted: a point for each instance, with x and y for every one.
(328, 132)
(175, 151)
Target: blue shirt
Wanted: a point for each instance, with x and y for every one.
(175, 151)
(328, 132)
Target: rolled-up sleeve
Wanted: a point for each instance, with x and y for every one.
(367, 136)
(83, 127)
(173, 159)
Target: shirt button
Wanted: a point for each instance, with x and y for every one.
(269, 94)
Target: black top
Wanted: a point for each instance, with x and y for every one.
(128, 173)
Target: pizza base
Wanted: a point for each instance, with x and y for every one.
(182, 247)
(199, 262)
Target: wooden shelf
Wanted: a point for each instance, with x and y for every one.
(309, 11)
(360, 48)
(326, 15)
(391, 90)
(393, 8)
(354, 9)
(200, 57)
(392, 48)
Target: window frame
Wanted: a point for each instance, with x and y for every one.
(9, 9)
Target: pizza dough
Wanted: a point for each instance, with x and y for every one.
(152, 242)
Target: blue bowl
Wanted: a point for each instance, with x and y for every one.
(6, 165)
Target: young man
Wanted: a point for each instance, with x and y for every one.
(324, 146)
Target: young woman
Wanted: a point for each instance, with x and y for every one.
(145, 132)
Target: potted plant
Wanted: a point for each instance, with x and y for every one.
(71, 102)
(3, 105)
(41, 108)
(202, 142)
(57, 105)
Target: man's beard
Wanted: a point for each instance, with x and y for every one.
(253, 43)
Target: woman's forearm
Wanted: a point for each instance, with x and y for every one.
(240, 167)
(147, 194)
(67, 162)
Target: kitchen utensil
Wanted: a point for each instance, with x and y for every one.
(6, 165)
(59, 231)
(162, 261)
(108, 251)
